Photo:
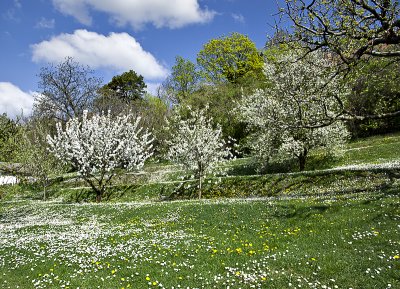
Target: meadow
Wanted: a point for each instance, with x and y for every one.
(320, 230)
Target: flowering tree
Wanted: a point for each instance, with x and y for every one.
(286, 115)
(196, 143)
(98, 145)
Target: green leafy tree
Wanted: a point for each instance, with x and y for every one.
(109, 101)
(154, 112)
(230, 58)
(375, 90)
(128, 86)
(183, 81)
(8, 138)
(33, 155)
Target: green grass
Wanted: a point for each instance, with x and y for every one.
(333, 226)
(350, 241)
(372, 150)
(164, 179)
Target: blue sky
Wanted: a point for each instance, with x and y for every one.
(115, 36)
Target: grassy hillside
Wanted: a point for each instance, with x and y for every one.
(333, 226)
(363, 165)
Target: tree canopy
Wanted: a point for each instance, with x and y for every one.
(352, 32)
(9, 130)
(349, 28)
(183, 81)
(229, 58)
(287, 114)
(375, 91)
(96, 146)
(66, 90)
(128, 86)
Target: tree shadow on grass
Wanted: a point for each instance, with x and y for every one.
(118, 192)
(291, 211)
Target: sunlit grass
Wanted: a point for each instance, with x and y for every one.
(348, 241)
(334, 226)
(372, 150)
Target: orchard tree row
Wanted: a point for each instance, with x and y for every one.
(333, 75)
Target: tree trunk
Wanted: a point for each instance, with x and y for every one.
(200, 185)
(45, 184)
(99, 192)
(98, 196)
(302, 160)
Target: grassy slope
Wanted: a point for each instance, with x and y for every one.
(317, 229)
(243, 181)
(349, 242)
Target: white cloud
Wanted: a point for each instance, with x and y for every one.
(238, 18)
(14, 101)
(161, 13)
(46, 23)
(75, 8)
(117, 51)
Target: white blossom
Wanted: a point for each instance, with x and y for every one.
(95, 146)
(286, 115)
(196, 143)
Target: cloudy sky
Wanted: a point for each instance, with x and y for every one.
(115, 36)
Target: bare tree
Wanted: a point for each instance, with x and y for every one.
(349, 28)
(66, 90)
(350, 31)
